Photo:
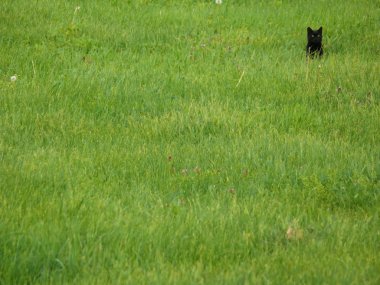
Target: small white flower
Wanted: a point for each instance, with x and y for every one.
(218, 2)
(14, 77)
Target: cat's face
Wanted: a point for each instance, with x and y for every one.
(314, 36)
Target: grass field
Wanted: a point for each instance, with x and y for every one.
(184, 142)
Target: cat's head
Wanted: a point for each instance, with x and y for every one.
(314, 36)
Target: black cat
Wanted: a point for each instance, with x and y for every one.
(314, 42)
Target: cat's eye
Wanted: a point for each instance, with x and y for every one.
(312, 36)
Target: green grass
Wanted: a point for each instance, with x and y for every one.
(184, 142)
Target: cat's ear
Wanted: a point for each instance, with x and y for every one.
(309, 30)
(320, 29)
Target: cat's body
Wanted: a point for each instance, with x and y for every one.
(314, 43)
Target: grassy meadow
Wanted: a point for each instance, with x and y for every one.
(185, 142)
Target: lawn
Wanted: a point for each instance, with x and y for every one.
(185, 142)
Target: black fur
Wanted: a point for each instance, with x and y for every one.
(314, 43)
